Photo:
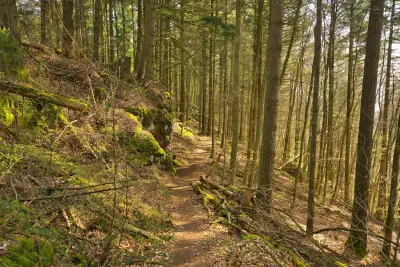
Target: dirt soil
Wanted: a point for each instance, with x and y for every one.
(196, 242)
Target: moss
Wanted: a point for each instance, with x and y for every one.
(297, 261)
(178, 163)
(29, 252)
(187, 132)
(141, 142)
(145, 115)
(6, 116)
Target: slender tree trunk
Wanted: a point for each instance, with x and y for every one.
(123, 31)
(68, 27)
(44, 19)
(96, 29)
(314, 120)
(302, 140)
(350, 76)
(358, 239)
(292, 101)
(204, 89)
(139, 35)
(111, 32)
(149, 35)
(292, 37)
(182, 105)
(389, 225)
(331, 75)
(274, 49)
(380, 214)
(235, 94)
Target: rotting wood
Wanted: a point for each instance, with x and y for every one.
(30, 92)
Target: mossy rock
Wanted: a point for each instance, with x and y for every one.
(141, 142)
(145, 115)
(29, 252)
(159, 121)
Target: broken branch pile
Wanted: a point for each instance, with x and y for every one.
(284, 242)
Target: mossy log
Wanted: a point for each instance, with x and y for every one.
(217, 187)
(132, 229)
(30, 92)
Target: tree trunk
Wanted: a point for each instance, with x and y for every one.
(182, 111)
(358, 239)
(98, 21)
(235, 95)
(389, 225)
(111, 33)
(68, 29)
(349, 104)
(274, 49)
(380, 212)
(314, 119)
(292, 37)
(44, 20)
(331, 75)
(9, 17)
(139, 35)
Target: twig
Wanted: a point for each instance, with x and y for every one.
(73, 195)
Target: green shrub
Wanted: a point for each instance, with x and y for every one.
(29, 252)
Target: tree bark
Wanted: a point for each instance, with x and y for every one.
(383, 166)
(235, 94)
(9, 17)
(68, 27)
(349, 104)
(182, 105)
(314, 119)
(274, 50)
(389, 225)
(358, 240)
(139, 40)
(98, 21)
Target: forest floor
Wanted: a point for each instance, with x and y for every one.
(196, 242)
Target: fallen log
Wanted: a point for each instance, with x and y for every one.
(30, 92)
(217, 187)
(132, 229)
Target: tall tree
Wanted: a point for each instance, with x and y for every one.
(8, 16)
(182, 103)
(147, 52)
(274, 49)
(68, 27)
(358, 238)
(383, 165)
(98, 22)
(235, 94)
(44, 19)
(139, 34)
(349, 106)
(314, 118)
(389, 224)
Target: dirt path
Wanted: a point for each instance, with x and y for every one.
(194, 240)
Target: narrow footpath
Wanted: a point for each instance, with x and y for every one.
(194, 242)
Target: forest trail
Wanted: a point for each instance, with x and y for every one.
(193, 243)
